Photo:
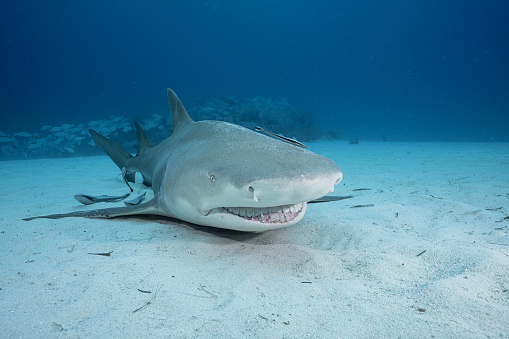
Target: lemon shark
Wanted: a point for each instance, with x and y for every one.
(214, 173)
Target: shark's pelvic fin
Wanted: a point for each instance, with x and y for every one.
(179, 115)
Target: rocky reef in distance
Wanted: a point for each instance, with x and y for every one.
(69, 139)
(277, 116)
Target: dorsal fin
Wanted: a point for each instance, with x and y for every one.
(179, 115)
(143, 142)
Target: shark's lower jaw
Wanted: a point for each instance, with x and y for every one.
(268, 215)
(253, 219)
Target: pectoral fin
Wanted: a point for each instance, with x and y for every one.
(146, 208)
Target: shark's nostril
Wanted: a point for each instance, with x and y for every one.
(252, 191)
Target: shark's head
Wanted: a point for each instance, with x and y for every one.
(227, 176)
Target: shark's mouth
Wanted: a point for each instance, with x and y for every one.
(268, 215)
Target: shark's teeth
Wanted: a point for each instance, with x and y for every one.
(277, 214)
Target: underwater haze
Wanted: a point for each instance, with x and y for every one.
(409, 98)
(372, 70)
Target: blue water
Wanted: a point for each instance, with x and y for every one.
(399, 70)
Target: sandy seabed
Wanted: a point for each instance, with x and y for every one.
(427, 258)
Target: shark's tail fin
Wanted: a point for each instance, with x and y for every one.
(119, 155)
(143, 142)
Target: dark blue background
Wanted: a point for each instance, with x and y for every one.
(411, 70)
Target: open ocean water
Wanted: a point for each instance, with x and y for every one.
(371, 70)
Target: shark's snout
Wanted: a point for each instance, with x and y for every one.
(271, 192)
(339, 178)
(270, 203)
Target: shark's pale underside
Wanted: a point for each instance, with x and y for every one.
(214, 173)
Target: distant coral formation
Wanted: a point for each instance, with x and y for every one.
(273, 115)
(70, 140)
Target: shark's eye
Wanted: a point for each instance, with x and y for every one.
(212, 177)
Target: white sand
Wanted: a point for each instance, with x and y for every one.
(341, 272)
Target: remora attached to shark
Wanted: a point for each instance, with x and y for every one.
(214, 173)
